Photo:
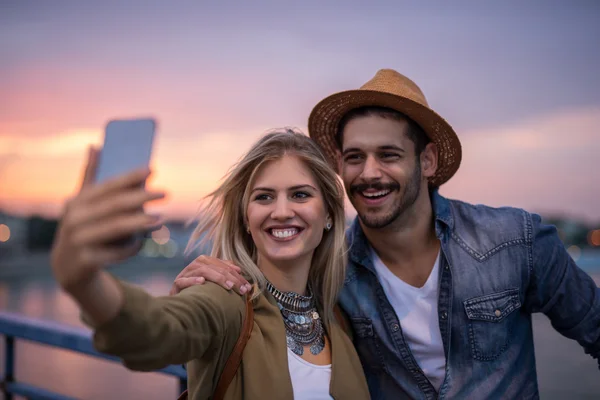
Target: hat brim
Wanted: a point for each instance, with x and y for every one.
(326, 115)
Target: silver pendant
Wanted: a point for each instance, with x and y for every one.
(317, 347)
(294, 346)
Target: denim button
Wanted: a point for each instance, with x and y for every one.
(395, 327)
(444, 315)
(497, 313)
(446, 267)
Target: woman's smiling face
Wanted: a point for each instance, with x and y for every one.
(286, 212)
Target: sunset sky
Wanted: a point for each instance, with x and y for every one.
(520, 83)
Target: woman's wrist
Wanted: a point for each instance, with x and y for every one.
(100, 297)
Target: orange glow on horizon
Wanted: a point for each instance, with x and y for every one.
(38, 172)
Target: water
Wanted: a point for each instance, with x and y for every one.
(564, 371)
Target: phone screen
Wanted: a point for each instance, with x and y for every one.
(127, 146)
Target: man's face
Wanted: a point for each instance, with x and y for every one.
(381, 173)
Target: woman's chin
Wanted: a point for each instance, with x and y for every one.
(279, 256)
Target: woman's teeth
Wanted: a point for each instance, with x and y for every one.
(284, 233)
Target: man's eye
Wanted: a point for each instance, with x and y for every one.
(390, 156)
(352, 157)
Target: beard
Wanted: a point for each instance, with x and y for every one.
(410, 196)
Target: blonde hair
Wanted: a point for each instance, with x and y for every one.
(223, 219)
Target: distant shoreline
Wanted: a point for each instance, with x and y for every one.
(38, 263)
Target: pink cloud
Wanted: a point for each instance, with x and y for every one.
(547, 163)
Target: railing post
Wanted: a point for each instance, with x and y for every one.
(9, 365)
(15, 327)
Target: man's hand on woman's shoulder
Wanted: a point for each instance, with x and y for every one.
(207, 268)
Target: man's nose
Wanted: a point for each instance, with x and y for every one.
(371, 170)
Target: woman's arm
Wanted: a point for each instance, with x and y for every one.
(146, 332)
(100, 298)
(150, 333)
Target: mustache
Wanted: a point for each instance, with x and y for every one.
(360, 187)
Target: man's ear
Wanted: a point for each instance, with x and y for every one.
(429, 160)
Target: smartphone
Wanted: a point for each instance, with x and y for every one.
(128, 145)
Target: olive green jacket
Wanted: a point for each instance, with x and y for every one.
(200, 326)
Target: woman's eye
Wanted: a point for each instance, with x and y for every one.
(301, 195)
(262, 197)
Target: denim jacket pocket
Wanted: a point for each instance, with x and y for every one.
(367, 344)
(491, 321)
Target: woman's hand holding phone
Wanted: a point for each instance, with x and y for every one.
(95, 219)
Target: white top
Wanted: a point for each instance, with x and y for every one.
(417, 311)
(309, 381)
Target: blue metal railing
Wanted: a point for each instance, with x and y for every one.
(16, 326)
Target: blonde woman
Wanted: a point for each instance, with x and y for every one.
(279, 215)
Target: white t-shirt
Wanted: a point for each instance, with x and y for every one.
(309, 381)
(417, 311)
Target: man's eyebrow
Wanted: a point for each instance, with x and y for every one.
(392, 147)
(386, 147)
(351, 150)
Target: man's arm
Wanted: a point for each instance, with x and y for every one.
(561, 290)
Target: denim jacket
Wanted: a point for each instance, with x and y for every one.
(498, 266)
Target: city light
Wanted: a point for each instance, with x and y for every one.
(574, 252)
(150, 248)
(594, 237)
(162, 235)
(4, 233)
(169, 249)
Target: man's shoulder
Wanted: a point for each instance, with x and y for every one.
(484, 228)
(465, 212)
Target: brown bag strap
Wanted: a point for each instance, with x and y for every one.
(235, 358)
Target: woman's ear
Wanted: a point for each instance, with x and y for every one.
(328, 223)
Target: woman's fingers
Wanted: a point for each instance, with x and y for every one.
(89, 175)
(72, 268)
(113, 228)
(103, 255)
(130, 200)
(116, 185)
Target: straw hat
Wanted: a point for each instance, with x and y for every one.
(393, 90)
